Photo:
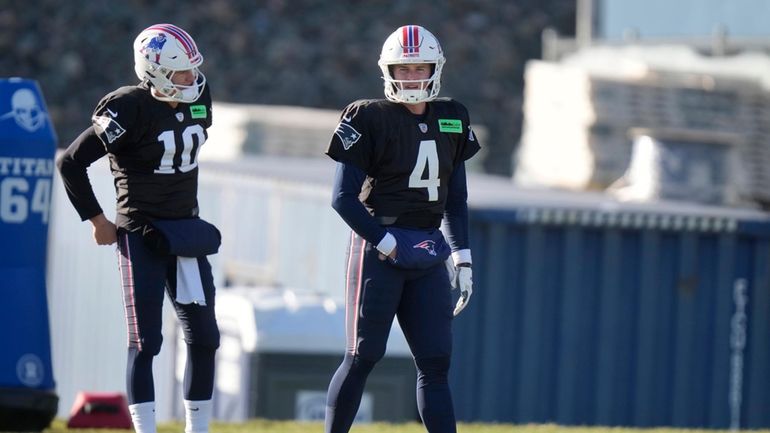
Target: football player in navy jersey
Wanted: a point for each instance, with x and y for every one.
(152, 133)
(400, 172)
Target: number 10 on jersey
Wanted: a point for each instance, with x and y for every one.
(186, 157)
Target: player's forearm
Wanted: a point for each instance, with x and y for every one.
(73, 167)
(456, 213)
(347, 185)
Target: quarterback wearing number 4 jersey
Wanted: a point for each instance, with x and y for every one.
(152, 133)
(408, 159)
(400, 172)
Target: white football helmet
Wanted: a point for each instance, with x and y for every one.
(411, 44)
(159, 51)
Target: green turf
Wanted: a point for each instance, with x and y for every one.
(265, 426)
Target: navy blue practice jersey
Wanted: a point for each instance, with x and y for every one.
(408, 158)
(153, 151)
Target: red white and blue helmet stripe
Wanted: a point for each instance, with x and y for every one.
(183, 37)
(411, 44)
(410, 40)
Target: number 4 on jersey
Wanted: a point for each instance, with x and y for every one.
(426, 156)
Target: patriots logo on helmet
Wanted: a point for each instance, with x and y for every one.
(428, 245)
(347, 135)
(155, 46)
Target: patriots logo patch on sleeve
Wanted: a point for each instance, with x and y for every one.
(347, 135)
(108, 127)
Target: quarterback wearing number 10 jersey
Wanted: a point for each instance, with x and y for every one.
(153, 151)
(152, 133)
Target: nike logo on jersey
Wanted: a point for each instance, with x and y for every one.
(350, 112)
(112, 113)
(347, 135)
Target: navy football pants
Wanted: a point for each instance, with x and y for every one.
(376, 292)
(145, 276)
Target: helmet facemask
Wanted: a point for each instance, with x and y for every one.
(167, 90)
(411, 45)
(396, 90)
(162, 50)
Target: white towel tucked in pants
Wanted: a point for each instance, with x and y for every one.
(189, 288)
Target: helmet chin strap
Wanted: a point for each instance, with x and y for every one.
(413, 96)
(157, 94)
(189, 95)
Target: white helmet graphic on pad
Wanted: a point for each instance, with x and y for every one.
(26, 111)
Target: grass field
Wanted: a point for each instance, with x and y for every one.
(264, 426)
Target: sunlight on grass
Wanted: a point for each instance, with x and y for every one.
(269, 426)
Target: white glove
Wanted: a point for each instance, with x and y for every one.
(451, 272)
(464, 280)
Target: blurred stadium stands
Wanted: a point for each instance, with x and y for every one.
(303, 53)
